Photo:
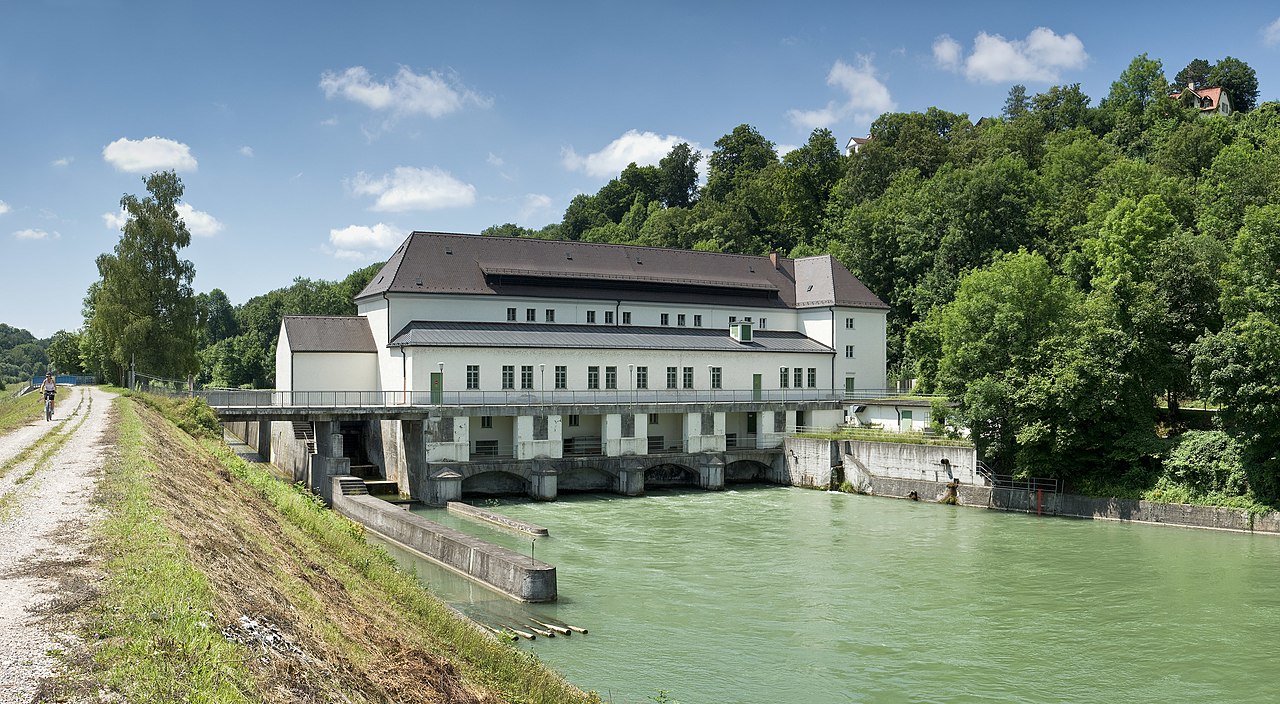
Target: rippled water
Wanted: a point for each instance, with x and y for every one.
(790, 595)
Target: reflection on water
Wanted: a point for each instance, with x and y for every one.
(769, 594)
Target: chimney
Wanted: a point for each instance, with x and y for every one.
(773, 259)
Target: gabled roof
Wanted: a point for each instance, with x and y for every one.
(1210, 98)
(329, 333)
(427, 333)
(434, 262)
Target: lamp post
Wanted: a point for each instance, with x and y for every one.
(711, 385)
(631, 376)
(542, 376)
(438, 394)
(782, 381)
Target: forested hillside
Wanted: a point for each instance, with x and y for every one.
(1060, 272)
(21, 355)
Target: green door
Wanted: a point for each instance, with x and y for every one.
(437, 387)
(755, 387)
(849, 385)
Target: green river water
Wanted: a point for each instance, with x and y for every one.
(789, 595)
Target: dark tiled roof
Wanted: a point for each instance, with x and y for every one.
(449, 334)
(433, 262)
(329, 333)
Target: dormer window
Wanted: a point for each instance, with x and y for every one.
(740, 332)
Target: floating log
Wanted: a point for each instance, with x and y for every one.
(558, 622)
(523, 634)
(542, 632)
(562, 630)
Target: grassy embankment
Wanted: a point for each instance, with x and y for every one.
(24, 410)
(223, 584)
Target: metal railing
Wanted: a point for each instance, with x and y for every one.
(248, 398)
(888, 395)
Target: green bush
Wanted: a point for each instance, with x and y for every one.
(1208, 461)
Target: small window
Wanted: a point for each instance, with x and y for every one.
(593, 377)
(783, 378)
(608, 317)
(848, 351)
(687, 377)
(813, 378)
(733, 318)
(799, 378)
(697, 321)
(551, 315)
(591, 316)
(531, 315)
(486, 421)
(746, 319)
(626, 317)
(716, 376)
(511, 315)
(653, 419)
(848, 323)
(906, 415)
(680, 319)
(473, 376)
(671, 377)
(666, 319)
(573, 421)
(562, 377)
(760, 323)
(508, 376)
(642, 377)
(526, 376)
(610, 377)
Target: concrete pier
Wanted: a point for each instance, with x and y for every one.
(497, 519)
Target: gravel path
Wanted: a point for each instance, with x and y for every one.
(45, 516)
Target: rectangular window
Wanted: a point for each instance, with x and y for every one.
(666, 319)
(733, 318)
(783, 378)
(848, 323)
(671, 377)
(687, 377)
(562, 377)
(591, 316)
(761, 323)
(746, 319)
(531, 315)
(573, 421)
(642, 377)
(680, 319)
(608, 317)
(653, 419)
(508, 376)
(473, 376)
(799, 378)
(593, 377)
(716, 377)
(697, 321)
(551, 315)
(848, 351)
(610, 377)
(626, 317)
(511, 314)
(486, 421)
(813, 377)
(526, 376)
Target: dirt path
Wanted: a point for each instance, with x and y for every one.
(45, 515)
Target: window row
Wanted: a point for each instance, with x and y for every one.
(682, 319)
(676, 377)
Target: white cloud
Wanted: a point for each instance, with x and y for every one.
(1271, 33)
(115, 221)
(199, 223)
(434, 94)
(411, 188)
(329, 122)
(36, 234)
(643, 148)
(4, 207)
(246, 151)
(64, 161)
(866, 97)
(947, 52)
(1041, 57)
(150, 154)
(784, 149)
(363, 242)
(532, 204)
(495, 160)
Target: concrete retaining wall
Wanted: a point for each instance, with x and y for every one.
(806, 462)
(255, 434)
(507, 571)
(938, 463)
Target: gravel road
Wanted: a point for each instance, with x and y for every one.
(45, 517)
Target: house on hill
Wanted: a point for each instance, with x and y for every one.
(1210, 101)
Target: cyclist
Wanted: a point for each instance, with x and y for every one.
(49, 389)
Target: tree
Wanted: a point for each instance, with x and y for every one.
(143, 309)
(64, 352)
(215, 317)
(678, 176)
(1239, 80)
(805, 182)
(1194, 74)
(737, 156)
(1017, 104)
(1062, 108)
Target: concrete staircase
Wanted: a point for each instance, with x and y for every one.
(304, 430)
(352, 486)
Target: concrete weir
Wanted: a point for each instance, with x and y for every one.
(497, 519)
(518, 576)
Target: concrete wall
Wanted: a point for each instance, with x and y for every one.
(909, 461)
(255, 434)
(335, 371)
(507, 571)
(288, 453)
(806, 462)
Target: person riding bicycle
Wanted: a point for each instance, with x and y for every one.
(49, 387)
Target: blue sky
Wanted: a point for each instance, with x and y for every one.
(312, 137)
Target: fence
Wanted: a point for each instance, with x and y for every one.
(73, 379)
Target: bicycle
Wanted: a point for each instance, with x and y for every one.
(48, 405)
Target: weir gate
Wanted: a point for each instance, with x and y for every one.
(436, 446)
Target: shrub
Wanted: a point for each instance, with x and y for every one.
(1208, 461)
